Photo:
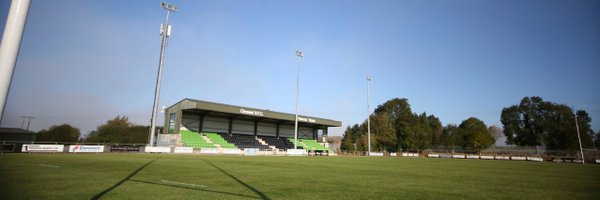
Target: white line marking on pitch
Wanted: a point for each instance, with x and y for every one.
(187, 184)
(49, 165)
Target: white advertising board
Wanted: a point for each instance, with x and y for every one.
(209, 150)
(535, 159)
(487, 157)
(251, 151)
(472, 156)
(392, 154)
(518, 158)
(431, 155)
(597, 160)
(183, 150)
(376, 154)
(232, 151)
(502, 158)
(157, 150)
(296, 152)
(86, 148)
(42, 148)
(458, 156)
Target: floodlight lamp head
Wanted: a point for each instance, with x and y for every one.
(299, 54)
(169, 7)
(368, 78)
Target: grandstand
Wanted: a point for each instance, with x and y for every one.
(203, 124)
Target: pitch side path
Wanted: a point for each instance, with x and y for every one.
(155, 176)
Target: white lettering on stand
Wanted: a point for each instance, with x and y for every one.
(251, 112)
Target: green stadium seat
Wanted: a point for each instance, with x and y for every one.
(193, 139)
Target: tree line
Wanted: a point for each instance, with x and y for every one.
(116, 130)
(394, 127)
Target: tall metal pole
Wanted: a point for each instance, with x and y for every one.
(368, 116)
(165, 32)
(299, 54)
(579, 137)
(9, 49)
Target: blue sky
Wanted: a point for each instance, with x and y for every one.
(83, 62)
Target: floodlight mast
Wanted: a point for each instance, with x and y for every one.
(299, 54)
(579, 137)
(368, 117)
(165, 32)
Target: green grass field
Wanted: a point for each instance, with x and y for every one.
(154, 176)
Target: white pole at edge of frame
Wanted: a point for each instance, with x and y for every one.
(368, 117)
(11, 43)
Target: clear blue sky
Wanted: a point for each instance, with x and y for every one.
(83, 62)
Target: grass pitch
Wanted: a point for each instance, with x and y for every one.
(155, 176)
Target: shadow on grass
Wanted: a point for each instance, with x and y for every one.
(193, 188)
(262, 195)
(122, 181)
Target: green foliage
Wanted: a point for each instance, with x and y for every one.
(347, 142)
(538, 122)
(61, 133)
(450, 136)
(384, 132)
(413, 132)
(474, 134)
(119, 130)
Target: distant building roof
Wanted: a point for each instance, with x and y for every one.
(14, 130)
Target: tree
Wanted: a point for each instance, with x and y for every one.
(61, 133)
(384, 131)
(449, 137)
(347, 141)
(495, 132)
(401, 116)
(475, 134)
(119, 130)
(538, 122)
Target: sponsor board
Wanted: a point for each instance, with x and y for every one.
(535, 159)
(125, 148)
(376, 154)
(86, 148)
(42, 148)
(597, 160)
(183, 150)
(232, 151)
(431, 155)
(7, 147)
(487, 157)
(518, 158)
(157, 149)
(445, 156)
(472, 157)
(209, 150)
(392, 154)
(251, 151)
(458, 156)
(502, 158)
(410, 154)
(296, 152)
